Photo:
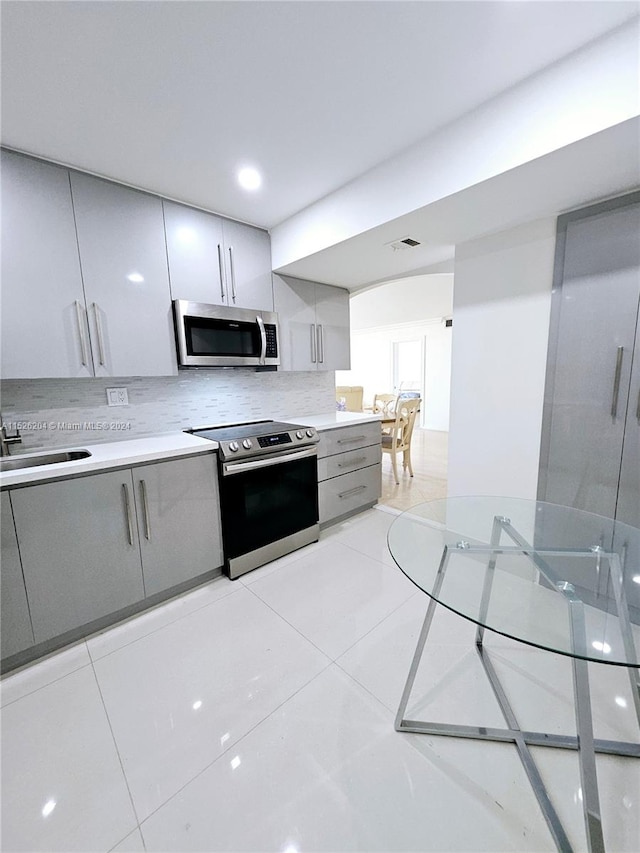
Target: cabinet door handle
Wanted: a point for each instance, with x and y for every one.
(351, 440)
(350, 492)
(233, 274)
(313, 342)
(127, 512)
(616, 382)
(320, 345)
(145, 509)
(96, 313)
(352, 462)
(638, 409)
(221, 267)
(83, 340)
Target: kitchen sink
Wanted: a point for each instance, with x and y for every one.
(18, 463)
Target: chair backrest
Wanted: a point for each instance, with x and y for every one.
(385, 404)
(353, 396)
(406, 413)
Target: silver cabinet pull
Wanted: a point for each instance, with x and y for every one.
(83, 340)
(313, 342)
(233, 274)
(320, 345)
(221, 266)
(145, 509)
(96, 312)
(350, 492)
(638, 408)
(616, 383)
(352, 462)
(263, 340)
(351, 440)
(127, 512)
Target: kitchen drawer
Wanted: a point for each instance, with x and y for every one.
(348, 493)
(334, 441)
(344, 463)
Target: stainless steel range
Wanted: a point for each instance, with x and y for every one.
(268, 477)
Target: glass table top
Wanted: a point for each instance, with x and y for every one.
(521, 567)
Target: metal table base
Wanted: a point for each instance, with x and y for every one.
(585, 743)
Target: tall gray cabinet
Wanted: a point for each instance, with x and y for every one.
(590, 455)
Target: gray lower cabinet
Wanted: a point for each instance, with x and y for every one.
(178, 514)
(17, 633)
(79, 548)
(349, 470)
(314, 325)
(92, 546)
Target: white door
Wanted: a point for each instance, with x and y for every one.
(408, 369)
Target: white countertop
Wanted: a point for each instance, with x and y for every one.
(333, 420)
(112, 454)
(135, 451)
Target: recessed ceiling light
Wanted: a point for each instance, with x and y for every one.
(135, 277)
(48, 808)
(249, 178)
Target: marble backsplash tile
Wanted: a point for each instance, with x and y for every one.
(73, 412)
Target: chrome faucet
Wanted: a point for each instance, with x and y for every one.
(7, 440)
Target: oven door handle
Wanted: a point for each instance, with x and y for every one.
(230, 468)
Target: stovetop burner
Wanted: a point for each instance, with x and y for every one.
(239, 441)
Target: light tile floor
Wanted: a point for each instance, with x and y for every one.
(257, 715)
(429, 450)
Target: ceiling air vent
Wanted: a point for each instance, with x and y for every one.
(405, 243)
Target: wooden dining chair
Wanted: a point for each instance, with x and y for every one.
(385, 404)
(399, 439)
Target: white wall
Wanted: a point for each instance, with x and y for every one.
(405, 300)
(594, 88)
(501, 306)
(404, 310)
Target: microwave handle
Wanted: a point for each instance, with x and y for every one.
(263, 340)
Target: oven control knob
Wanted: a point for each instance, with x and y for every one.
(299, 434)
(247, 444)
(310, 433)
(233, 446)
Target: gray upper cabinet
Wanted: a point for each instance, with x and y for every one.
(591, 440)
(217, 261)
(122, 252)
(333, 328)
(79, 548)
(44, 331)
(15, 624)
(178, 511)
(195, 252)
(314, 324)
(248, 265)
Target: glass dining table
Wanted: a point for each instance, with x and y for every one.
(548, 576)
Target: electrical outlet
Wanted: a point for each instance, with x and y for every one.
(117, 397)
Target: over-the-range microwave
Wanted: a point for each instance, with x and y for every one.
(220, 336)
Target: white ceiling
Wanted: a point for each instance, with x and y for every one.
(173, 96)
